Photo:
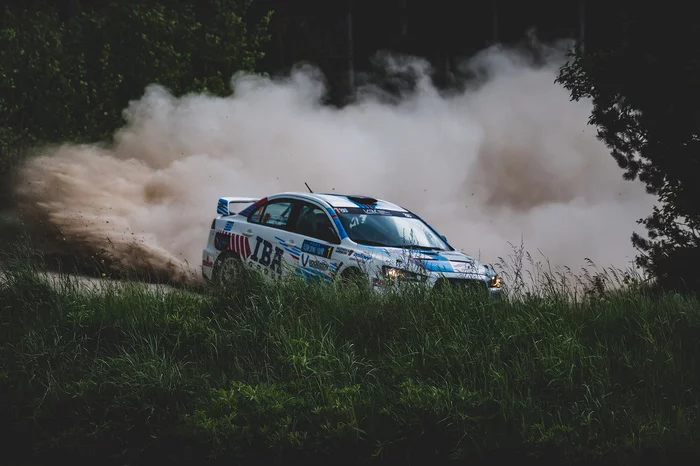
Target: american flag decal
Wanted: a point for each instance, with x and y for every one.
(233, 242)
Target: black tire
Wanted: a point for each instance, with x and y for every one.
(229, 270)
(354, 278)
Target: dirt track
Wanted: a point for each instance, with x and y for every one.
(85, 266)
(91, 283)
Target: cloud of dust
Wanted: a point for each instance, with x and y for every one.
(508, 156)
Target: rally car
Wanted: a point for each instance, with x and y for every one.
(331, 236)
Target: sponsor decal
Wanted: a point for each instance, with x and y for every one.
(221, 241)
(367, 211)
(317, 249)
(361, 256)
(376, 212)
(239, 244)
(307, 261)
(462, 267)
(344, 251)
(228, 226)
(267, 256)
(222, 207)
(207, 262)
(313, 268)
(437, 265)
(249, 210)
(293, 251)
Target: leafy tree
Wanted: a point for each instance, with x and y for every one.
(68, 68)
(34, 83)
(644, 81)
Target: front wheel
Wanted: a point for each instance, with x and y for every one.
(354, 278)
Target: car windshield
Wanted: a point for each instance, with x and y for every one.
(388, 228)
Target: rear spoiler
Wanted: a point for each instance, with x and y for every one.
(227, 205)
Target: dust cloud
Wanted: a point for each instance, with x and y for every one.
(506, 158)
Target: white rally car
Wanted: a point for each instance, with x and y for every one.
(326, 236)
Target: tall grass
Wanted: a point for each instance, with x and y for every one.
(526, 276)
(126, 373)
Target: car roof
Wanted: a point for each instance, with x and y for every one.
(345, 200)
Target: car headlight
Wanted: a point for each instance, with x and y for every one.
(393, 273)
(495, 282)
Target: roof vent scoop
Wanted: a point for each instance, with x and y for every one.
(363, 199)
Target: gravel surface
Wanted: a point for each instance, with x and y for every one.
(92, 283)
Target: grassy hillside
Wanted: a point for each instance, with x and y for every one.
(129, 375)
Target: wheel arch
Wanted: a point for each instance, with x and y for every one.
(354, 274)
(223, 255)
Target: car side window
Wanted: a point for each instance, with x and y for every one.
(277, 214)
(273, 214)
(314, 222)
(256, 215)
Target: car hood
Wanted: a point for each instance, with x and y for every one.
(439, 261)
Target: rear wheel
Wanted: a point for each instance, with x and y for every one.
(229, 270)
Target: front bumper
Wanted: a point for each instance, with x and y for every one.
(476, 285)
(479, 285)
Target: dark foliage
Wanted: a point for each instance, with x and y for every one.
(68, 68)
(645, 85)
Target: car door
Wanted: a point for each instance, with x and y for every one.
(315, 237)
(263, 231)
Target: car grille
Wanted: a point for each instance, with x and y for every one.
(478, 287)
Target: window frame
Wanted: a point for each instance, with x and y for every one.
(332, 224)
(261, 208)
